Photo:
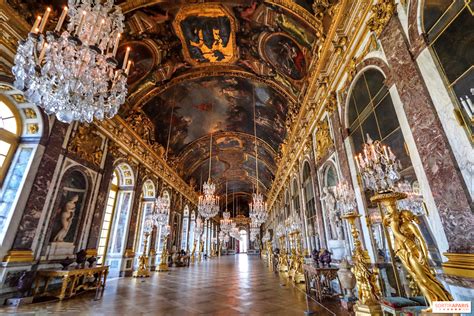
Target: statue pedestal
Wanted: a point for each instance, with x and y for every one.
(337, 248)
(60, 250)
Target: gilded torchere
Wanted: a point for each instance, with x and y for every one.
(163, 267)
(410, 247)
(193, 252)
(369, 292)
(282, 258)
(269, 254)
(143, 271)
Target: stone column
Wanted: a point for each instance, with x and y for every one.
(28, 228)
(442, 172)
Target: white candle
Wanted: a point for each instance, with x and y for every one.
(129, 64)
(61, 20)
(465, 105)
(81, 21)
(43, 52)
(44, 20)
(469, 102)
(100, 30)
(357, 164)
(385, 152)
(116, 45)
(35, 29)
(125, 60)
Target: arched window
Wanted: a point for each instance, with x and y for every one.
(184, 235)
(310, 204)
(371, 113)
(167, 201)
(448, 25)
(21, 129)
(10, 131)
(191, 229)
(116, 216)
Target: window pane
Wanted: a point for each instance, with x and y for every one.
(375, 81)
(4, 147)
(434, 9)
(455, 47)
(397, 144)
(361, 95)
(386, 116)
(369, 126)
(10, 125)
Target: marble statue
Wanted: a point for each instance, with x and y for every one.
(66, 218)
(329, 202)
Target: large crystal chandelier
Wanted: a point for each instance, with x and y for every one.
(208, 204)
(226, 221)
(258, 208)
(74, 74)
(345, 198)
(378, 167)
(162, 210)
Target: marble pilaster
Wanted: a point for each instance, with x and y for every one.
(140, 179)
(443, 174)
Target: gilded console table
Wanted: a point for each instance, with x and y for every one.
(72, 281)
(322, 277)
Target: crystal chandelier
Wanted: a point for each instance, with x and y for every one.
(345, 198)
(226, 221)
(280, 230)
(208, 204)
(162, 210)
(413, 202)
(254, 230)
(199, 228)
(258, 208)
(74, 74)
(378, 167)
(266, 237)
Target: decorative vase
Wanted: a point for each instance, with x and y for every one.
(347, 279)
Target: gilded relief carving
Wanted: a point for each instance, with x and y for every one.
(323, 139)
(87, 144)
(381, 14)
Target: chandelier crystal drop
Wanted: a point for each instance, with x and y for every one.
(378, 166)
(74, 74)
(414, 200)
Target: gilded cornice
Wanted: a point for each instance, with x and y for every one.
(139, 98)
(295, 9)
(125, 137)
(313, 103)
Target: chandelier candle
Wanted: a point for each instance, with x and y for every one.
(71, 73)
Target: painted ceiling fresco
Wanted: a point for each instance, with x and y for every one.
(199, 68)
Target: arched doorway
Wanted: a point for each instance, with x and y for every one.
(243, 242)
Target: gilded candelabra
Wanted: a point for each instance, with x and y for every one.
(297, 259)
(201, 249)
(410, 247)
(369, 292)
(163, 267)
(269, 254)
(143, 269)
(282, 258)
(379, 170)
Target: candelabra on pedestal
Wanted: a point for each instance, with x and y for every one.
(143, 267)
(379, 171)
(282, 256)
(163, 267)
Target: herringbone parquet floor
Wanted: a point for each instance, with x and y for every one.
(230, 285)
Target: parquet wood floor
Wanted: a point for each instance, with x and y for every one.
(230, 285)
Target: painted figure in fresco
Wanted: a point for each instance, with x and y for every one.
(329, 202)
(286, 56)
(207, 37)
(66, 218)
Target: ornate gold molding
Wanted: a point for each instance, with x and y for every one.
(129, 253)
(19, 256)
(87, 144)
(129, 141)
(381, 14)
(459, 264)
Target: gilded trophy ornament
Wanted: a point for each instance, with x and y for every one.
(381, 14)
(410, 247)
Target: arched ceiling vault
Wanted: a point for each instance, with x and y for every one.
(202, 68)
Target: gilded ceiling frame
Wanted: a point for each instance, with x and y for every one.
(213, 71)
